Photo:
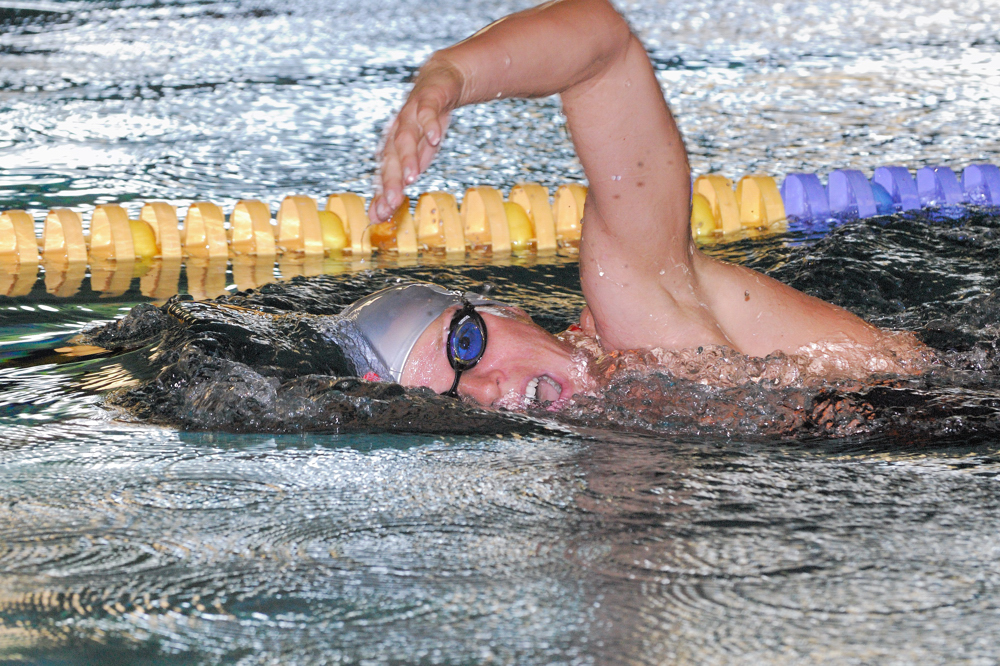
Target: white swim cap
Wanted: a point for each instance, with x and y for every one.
(391, 320)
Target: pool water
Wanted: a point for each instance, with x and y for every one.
(602, 538)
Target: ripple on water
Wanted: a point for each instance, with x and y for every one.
(130, 543)
(199, 552)
(746, 553)
(206, 494)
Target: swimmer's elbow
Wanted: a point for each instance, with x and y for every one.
(616, 35)
(598, 27)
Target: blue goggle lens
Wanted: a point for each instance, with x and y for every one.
(468, 342)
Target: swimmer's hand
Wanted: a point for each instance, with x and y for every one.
(415, 135)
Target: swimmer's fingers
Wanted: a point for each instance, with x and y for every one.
(405, 143)
(433, 117)
(421, 125)
(428, 147)
(407, 152)
(388, 182)
(414, 137)
(400, 163)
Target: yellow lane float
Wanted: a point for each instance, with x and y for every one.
(759, 202)
(143, 239)
(519, 225)
(301, 235)
(62, 236)
(439, 226)
(162, 217)
(568, 212)
(352, 211)
(334, 237)
(718, 191)
(534, 199)
(703, 222)
(250, 228)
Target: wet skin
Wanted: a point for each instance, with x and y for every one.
(646, 283)
(518, 351)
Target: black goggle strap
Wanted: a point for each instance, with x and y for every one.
(453, 391)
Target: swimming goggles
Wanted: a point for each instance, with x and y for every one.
(466, 343)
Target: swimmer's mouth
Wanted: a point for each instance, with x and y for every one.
(543, 389)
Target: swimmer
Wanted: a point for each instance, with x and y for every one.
(647, 285)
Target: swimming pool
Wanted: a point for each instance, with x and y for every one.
(636, 542)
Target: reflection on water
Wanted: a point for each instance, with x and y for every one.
(122, 542)
(263, 546)
(126, 541)
(532, 550)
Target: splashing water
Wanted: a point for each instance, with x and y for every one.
(757, 522)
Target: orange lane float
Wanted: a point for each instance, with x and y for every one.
(250, 273)
(18, 253)
(485, 220)
(399, 233)
(206, 277)
(299, 228)
(111, 234)
(526, 221)
(111, 277)
(63, 278)
(161, 281)
(205, 231)
(17, 279)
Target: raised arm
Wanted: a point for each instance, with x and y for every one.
(535, 53)
(646, 284)
(620, 125)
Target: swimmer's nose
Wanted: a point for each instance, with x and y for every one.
(483, 384)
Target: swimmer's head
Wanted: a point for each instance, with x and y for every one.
(392, 320)
(403, 334)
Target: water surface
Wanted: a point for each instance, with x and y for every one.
(122, 542)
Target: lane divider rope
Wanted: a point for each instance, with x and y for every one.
(529, 220)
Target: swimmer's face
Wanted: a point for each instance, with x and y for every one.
(521, 358)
